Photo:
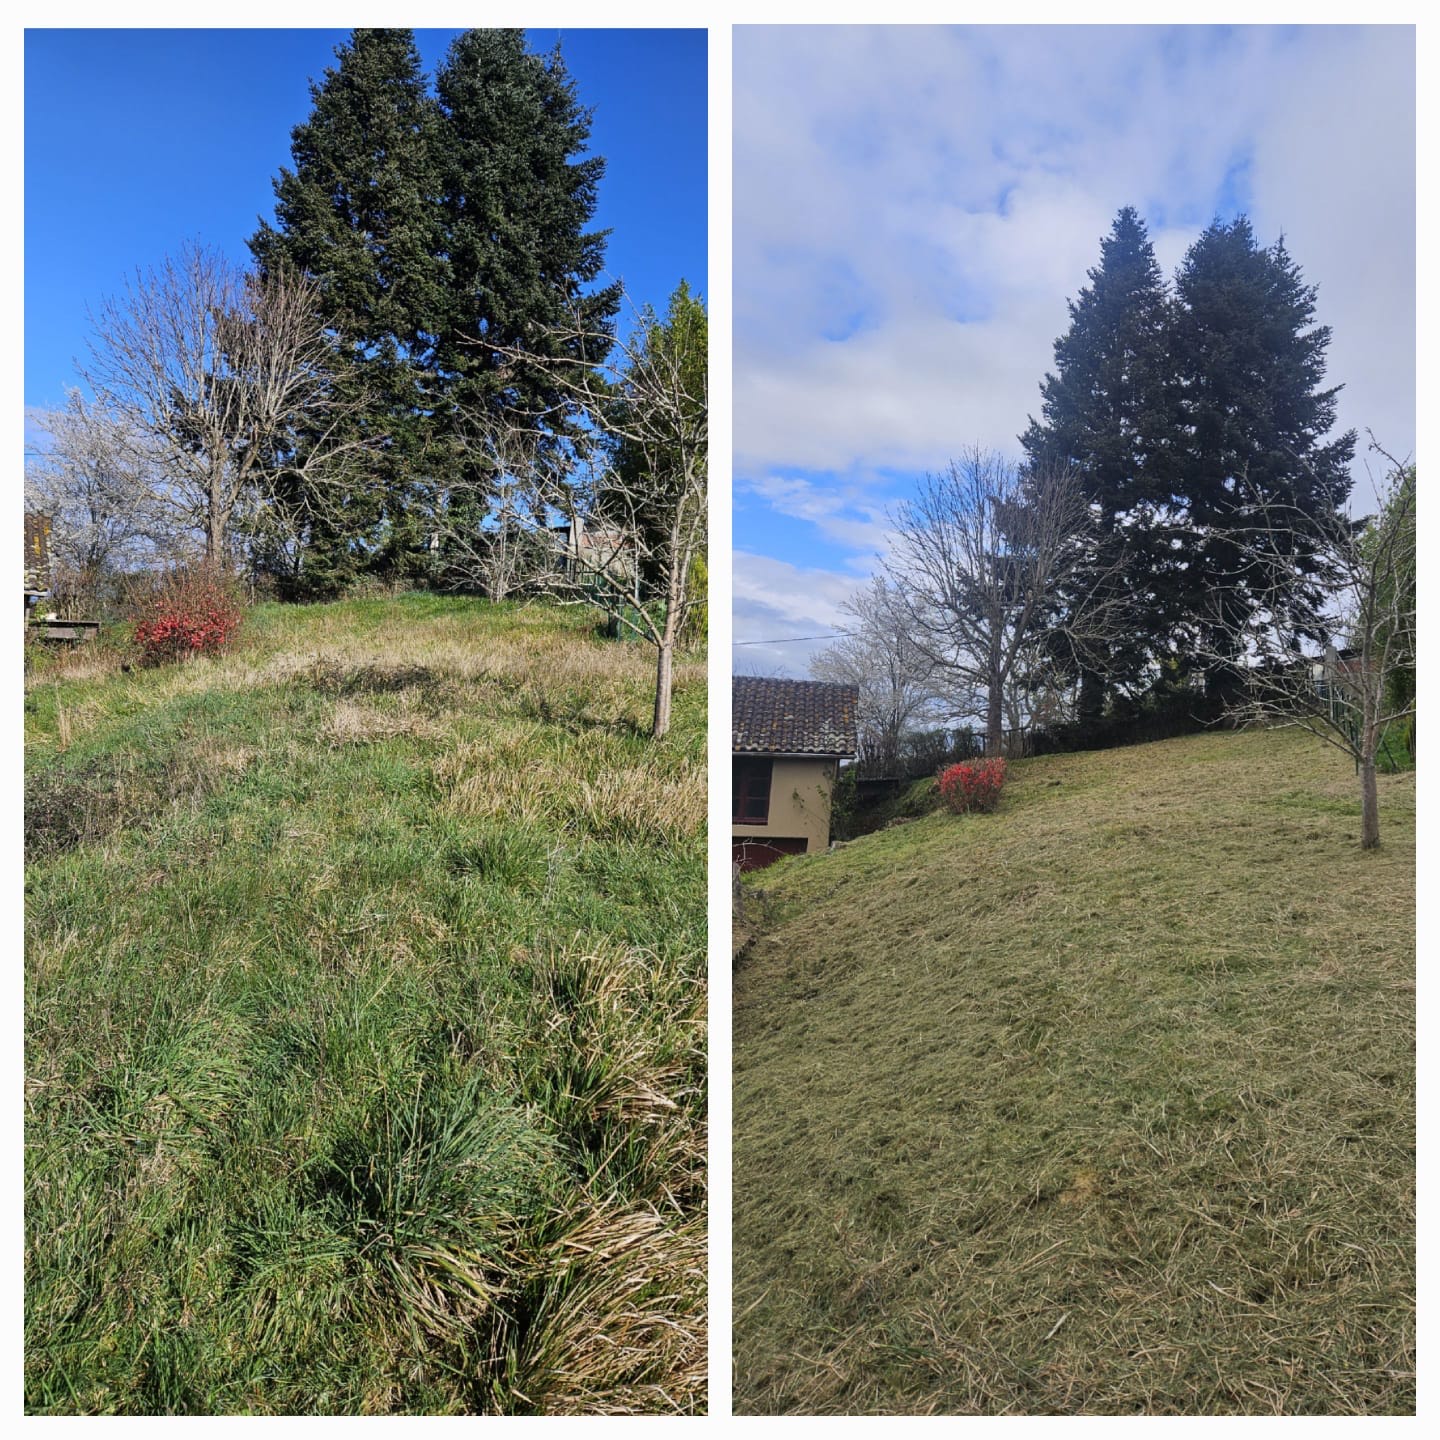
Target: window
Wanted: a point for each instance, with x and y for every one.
(751, 791)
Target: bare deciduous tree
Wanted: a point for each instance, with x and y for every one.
(898, 684)
(642, 481)
(1323, 650)
(94, 479)
(226, 377)
(493, 531)
(979, 559)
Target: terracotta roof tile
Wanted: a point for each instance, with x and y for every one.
(792, 717)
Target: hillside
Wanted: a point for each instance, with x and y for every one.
(365, 1022)
(1100, 1104)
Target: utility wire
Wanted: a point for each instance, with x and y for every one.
(792, 639)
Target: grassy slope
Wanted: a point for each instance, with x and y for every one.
(1103, 1103)
(365, 1023)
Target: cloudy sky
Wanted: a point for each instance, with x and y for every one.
(913, 208)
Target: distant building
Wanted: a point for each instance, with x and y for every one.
(593, 550)
(1338, 678)
(788, 739)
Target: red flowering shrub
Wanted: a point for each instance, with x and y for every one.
(972, 786)
(189, 612)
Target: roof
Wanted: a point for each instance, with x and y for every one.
(792, 717)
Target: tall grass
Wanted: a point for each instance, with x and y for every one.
(1102, 1104)
(365, 1024)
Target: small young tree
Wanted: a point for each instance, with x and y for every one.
(1328, 645)
(981, 560)
(641, 435)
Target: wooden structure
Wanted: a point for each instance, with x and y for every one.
(37, 558)
(72, 631)
(595, 553)
(39, 583)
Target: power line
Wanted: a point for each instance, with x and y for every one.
(793, 639)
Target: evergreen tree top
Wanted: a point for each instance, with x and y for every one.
(1106, 408)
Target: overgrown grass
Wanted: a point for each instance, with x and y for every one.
(365, 1023)
(1100, 1104)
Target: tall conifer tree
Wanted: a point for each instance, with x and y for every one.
(1109, 411)
(1250, 362)
(518, 194)
(438, 226)
(360, 213)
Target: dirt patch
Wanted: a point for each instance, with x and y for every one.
(331, 677)
(66, 806)
(77, 803)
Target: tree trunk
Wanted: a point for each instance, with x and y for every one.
(1090, 706)
(664, 663)
(994, 721)
(1369, 806)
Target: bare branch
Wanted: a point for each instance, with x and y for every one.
(981, 557)
(897, 683)
(96, 479)
(1323, 650)
(226, 377)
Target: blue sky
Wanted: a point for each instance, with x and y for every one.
(914, 206)
(136, 140)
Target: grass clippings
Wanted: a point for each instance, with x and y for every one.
(1103, 1104)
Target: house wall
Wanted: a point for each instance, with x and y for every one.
(800, 790)
(591, 552)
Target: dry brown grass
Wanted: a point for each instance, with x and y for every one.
(619, 1037)
(90, 661)
(1103, 1104)
(605, 1338)
(355, 723)
(581, 788)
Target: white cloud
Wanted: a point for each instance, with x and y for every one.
(775, 600)
(929, 199)
(841, 513)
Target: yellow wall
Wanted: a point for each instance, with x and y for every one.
(799, 801)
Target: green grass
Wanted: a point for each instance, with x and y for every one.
(1394, 753)
(365, 1022)
(1100, 1104)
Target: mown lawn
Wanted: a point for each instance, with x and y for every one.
(1100, 1104)
(365, 1022)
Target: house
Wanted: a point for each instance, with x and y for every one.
(592, 550)
(1338, 678)
(788, 739)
